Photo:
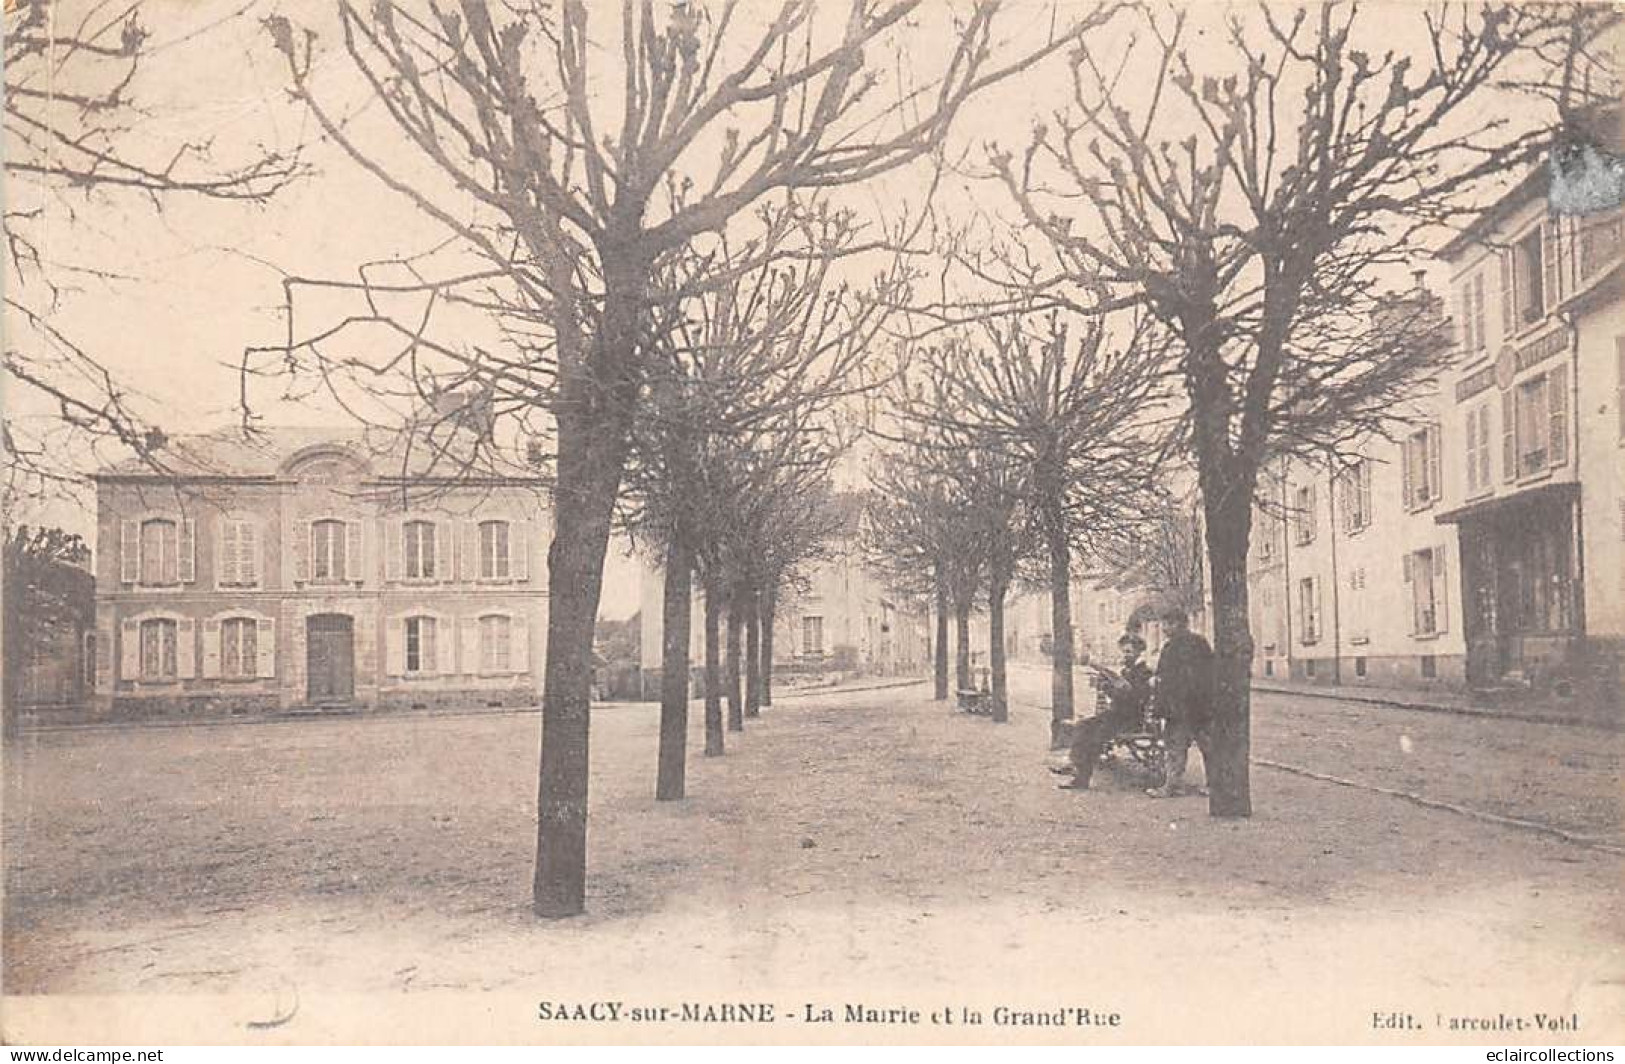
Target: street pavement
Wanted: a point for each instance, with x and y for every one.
(870, 846)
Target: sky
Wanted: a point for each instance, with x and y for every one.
(200, 280)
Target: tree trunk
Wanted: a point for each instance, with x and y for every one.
(962, 648)
(753, 654)
(941, 647)
(1228, 528)
(769, 606)
(669, 781)
(995, 648)
(714, 744)
(594, 409)
(1060, 621)
(731, 678)
(585, 499)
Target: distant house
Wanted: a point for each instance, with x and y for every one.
(314, 567)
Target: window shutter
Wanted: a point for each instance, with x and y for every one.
(248, 562)
(444, 641)
(188, 552)
(129, 548)
(225, 555)
(395, 646)
(1406, 473)
(1557, 395)
(129, 667)
(443, 533)
(1318, 612)
(1472, 450)
(1435, 464)
(468, 552)
(1311, 515)
(186, 649)
(1551, 260)
(211, 649)
(392, 551)
(1478, 312)
(469, 628)
(265, 648)
(519, 536)
(1508, 296)
(1441, 591)
(1464, 332)
(1407, 567)
(304, 535)
(352, 552)
(1509, 438)
(519, 644)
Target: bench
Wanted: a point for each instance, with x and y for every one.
(974, 701)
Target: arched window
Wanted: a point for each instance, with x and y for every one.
(239, 648)
(327, 561)
(420, 644)
(158, 649)
(160, 552)
(418, 541)
(494, 550)
(496, 643)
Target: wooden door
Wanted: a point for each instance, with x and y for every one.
(330, 657)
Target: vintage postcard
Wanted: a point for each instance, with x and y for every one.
(813, 521)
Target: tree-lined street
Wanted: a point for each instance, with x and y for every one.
(871, 842)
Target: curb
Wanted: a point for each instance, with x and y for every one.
(1343, 694)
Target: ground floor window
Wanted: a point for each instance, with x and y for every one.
(496, 643)
(420, 644)
(158, 649)
(812, 636)
(239, 648)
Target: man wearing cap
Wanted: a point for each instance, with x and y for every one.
(1184, 693)
(1127, 694)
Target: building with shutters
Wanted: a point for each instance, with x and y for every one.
(314, 568)
(1485, 548)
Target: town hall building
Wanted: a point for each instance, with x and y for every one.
(315, 568)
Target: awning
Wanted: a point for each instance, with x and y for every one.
(1547, 494)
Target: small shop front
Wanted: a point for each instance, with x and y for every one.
(1521, 587)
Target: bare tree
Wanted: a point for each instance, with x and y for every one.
(566, 156)
(1076, 420)
(76, 142)
(1247, 203)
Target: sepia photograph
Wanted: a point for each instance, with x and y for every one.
(889, 522)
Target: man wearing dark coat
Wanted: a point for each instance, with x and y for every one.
(1184, 699)
(1127, 693)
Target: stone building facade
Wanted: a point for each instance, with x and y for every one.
(306, 568)
(1484, 548)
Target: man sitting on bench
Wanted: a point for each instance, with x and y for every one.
(1128, 692)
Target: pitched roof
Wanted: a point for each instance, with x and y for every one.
(266, 451)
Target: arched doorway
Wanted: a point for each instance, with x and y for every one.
(330, 658)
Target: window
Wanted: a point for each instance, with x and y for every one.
(1303, 514)
(1478, 449)
(420, 644)
(1534, 428)
(1309, 609)
(496, 644)
(1599, 240)
(327, 561)
(1430, 667)
(1354, 496)
(1266, 538)
(239, 554)
(494, 550)
(418, 539)
(158, 650)
(1269, 666)
(1359, 626)
(812, 636)
(1359, 665)
(160, 553)
(239, 648)
(1309, 667)
(1471, 295)
(1529, 274)
(1421, 569)
(1420, 458)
